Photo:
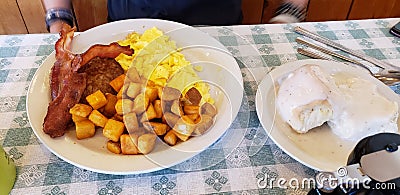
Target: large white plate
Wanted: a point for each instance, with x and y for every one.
(319, 149)
(220, 69)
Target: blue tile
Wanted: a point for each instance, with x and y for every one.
(359, 34)
(328, 34)
(17, 137)
(45, 50)
(228, 40)
(376, 53)
(262, 39)
(263, 157)
(6, 52)
(58, 173)
(4, 75)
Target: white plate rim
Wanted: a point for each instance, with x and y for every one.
(267, 84)
(121, 28)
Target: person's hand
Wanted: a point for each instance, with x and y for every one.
(57, 5)
(283, 19)
(298, 3)
(56, 26)
(290, 11)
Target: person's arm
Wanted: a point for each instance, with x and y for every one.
(290, 11)
(57, 13)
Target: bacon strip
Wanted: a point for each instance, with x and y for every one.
(103, 51)
(58, 117)
(66, 84)
(62, 66)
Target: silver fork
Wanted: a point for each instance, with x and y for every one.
(389, 79)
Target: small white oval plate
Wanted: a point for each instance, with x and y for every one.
(319, 149)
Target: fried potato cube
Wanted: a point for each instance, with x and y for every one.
(97, 99)
(113, 130)
(191, 109)
(176, 108)
(149, 114)
(81, 110)
(118, 82)
(129, 144)
(133, 89)
(180, 136)
(114, 147)
(170, 119)
(97, 118)
(208, 109)
(84, 129)
(140, 103)
(158, 128)
(118, 107)
(109, 108)
(131, 122)
(133, 75)
(193, 96)
(170, 94)
(170, 138)
(158, 108)
(76, 118)
(146, 143)
(127, 106)
(203, 125)
(124, 106)
(184, 128)
(151, 93)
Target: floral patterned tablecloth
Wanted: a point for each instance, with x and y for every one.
(238, 165)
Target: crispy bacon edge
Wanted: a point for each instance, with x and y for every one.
(103, 51)
(64, 58)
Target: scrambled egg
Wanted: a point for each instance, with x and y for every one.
(158, 59)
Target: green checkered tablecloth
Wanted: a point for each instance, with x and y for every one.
(237, 168)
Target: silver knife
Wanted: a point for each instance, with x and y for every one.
(333, 44)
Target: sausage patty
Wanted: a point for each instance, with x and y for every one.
(100, 71)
